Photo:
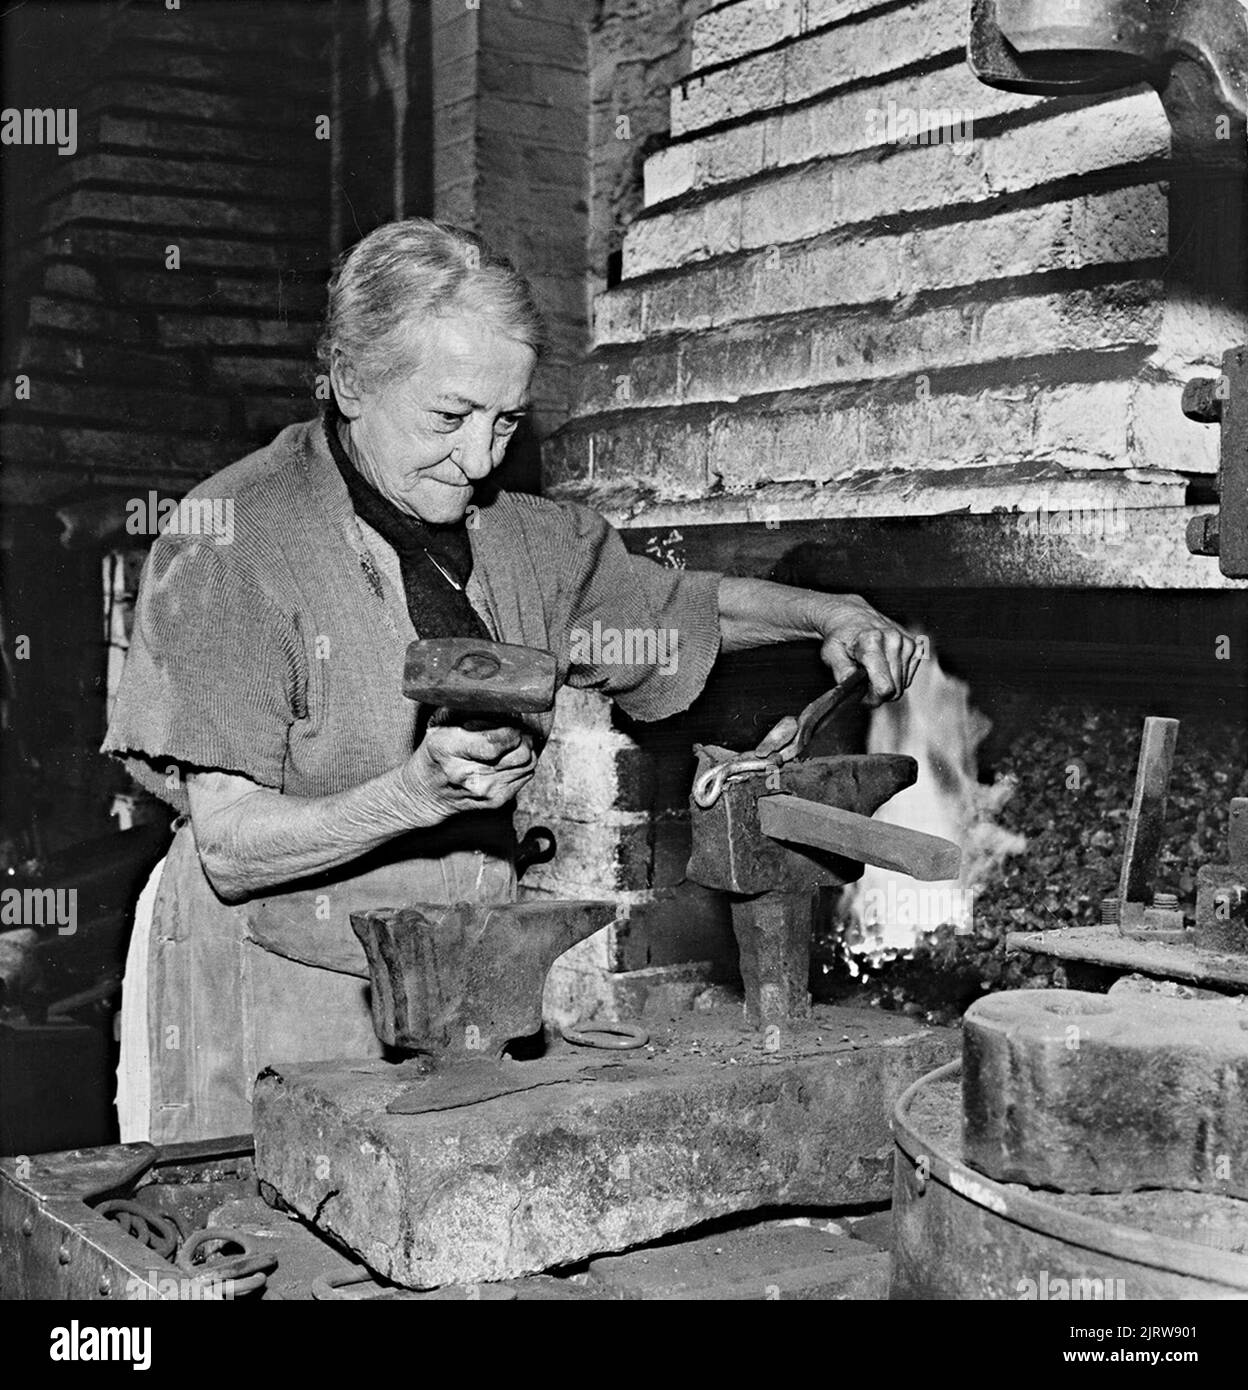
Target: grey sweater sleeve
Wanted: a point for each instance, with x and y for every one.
(212, 677)
(641, 633)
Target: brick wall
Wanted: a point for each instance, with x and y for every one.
(163, 286)
(818, 318)
(511, 92)
(638, 49)
(614, 807)
(181, 254)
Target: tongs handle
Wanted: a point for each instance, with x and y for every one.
(818, 710)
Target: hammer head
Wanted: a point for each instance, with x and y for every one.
(480, 677)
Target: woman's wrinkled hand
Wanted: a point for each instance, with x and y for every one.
(457, 769)
(854, 634)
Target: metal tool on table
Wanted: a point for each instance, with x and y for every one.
(1136, 909)
(1143, 914)
(771, 826)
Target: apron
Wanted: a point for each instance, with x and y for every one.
(275, 979)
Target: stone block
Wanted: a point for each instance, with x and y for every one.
(598, 1153)
(1107, 1093)
(729, 32)
(804, 351)
(794, 206)
(1123, 224)
(837, 123)
(831, 57)
(770, 1261)
(861, 442)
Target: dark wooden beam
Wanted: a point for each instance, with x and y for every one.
(1123, 548)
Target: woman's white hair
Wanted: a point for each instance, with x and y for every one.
(389, 288)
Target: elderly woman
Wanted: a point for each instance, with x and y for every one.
(262, 693)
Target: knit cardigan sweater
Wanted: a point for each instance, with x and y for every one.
(278, 653)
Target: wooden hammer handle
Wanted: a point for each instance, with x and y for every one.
(847, 833)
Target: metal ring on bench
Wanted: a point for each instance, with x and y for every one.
(612, 1037)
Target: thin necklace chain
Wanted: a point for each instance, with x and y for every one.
(454, 583)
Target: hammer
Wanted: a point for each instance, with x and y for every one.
(480, 678)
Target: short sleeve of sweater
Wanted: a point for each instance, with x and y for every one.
(641, 633)
(211, 678)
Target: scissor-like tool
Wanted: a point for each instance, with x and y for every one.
(786, 741)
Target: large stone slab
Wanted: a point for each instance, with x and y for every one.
(767, 1261)
(600, 1153)
(1107, 1093)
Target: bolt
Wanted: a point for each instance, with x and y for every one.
(1202, 399)
(1170, 901)
(1110, 912)
(1204, 534)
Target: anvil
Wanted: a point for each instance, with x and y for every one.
(775, 836)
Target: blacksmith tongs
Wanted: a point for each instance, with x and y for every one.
(786, 741)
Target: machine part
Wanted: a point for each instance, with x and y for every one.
(961, 1235)
(1054, 48)
(611, 1037)
(786, 741)
(773, 941)
(852, 836)
(1106, 1093)
(1143, 915)
(731, 851)
(461, 673)
(1224, 400)
(1222, 890)
(467, 979)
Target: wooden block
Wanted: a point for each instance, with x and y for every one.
(793, 819)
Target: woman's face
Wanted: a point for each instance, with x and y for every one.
(424, 441)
